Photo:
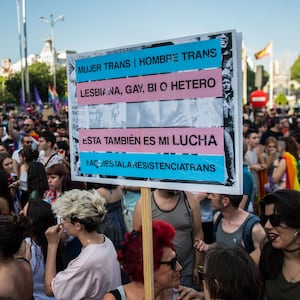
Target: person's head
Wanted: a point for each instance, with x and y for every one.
(4, 148)
(262, 126)
(281, 211)
(230, 273)
(47, 140)
(80, 208)
(284, 123)
(290, 145)
(275, 123)
(28, 155)
(271, 143)
(6, 163)
(13, 229)
(221, 202)
(26, 141)
(62, 129)
(58, 177)
(62, 147)
(246, 125)
(252, 138)
(28, 125)
(42, 217)
(166, 267)
(37, 178)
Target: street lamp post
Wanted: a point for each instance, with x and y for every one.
(52, 22)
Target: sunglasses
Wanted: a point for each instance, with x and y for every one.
(28, 142)
(274, 220)
(26, 125)
(172, 263)
(201, 273)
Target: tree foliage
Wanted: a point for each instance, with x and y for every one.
(281, 99)
(40, 77)
(295, 70)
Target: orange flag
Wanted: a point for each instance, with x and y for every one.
(264, 52)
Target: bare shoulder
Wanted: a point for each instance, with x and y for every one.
(109, 296)
(192, 199)
(258, 230)
(18, 278)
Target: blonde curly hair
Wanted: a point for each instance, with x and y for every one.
(81, 204)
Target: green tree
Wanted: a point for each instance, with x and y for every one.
(281, 99)
(39, 76)
(295, 70)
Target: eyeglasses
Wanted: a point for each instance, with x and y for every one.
(28, 142)
(274, 220)
(63, 220)
(201, 273)
(172, 263)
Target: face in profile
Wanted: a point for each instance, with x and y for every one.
(168, 273)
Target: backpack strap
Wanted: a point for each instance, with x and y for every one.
(216, 224)
(247, 233)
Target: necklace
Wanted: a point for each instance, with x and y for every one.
(292, 280)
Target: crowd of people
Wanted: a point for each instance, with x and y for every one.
(82, 240)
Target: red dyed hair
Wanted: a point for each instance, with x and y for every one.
(130, 254)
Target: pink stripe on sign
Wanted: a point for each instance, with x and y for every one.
(153, 140)
(195, 84)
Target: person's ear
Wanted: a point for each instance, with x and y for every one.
(226, 201)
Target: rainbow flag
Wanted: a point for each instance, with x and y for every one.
(266, 51)
(56, 101)
(50, 95)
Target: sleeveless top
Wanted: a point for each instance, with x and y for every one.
(280, 289)
(38, 271)
(181, 218)
(251, 159)
(235, 238)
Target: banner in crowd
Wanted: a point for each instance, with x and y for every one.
(159, 114)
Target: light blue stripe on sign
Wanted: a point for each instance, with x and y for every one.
(172, 58)
(177, 167)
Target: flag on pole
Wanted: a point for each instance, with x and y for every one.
(38, 100)
(264, 52)
(56, 101)
(22, 100)
(50, 95)
(66, 99)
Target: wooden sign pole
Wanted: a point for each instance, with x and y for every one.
(147, 243)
